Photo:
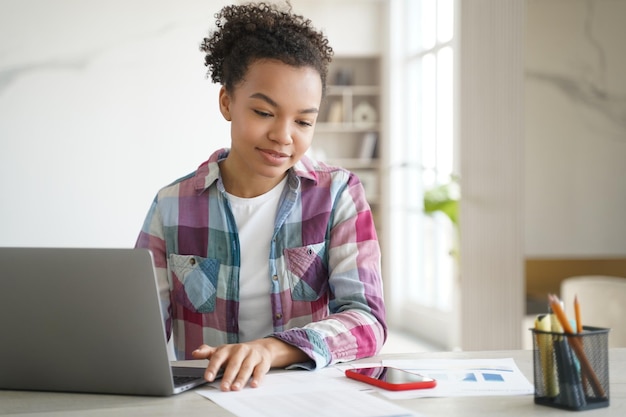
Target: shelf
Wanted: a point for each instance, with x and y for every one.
(354, 90)
(353, 163)
(346, 127)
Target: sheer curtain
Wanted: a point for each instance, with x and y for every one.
(422, 158)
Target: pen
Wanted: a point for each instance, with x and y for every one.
(570, 391)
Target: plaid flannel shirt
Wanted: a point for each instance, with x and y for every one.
(324, 263)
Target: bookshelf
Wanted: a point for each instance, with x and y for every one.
(348, 127)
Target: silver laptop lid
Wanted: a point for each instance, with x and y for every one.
(81, 320)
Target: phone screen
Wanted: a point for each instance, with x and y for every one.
(392, 375)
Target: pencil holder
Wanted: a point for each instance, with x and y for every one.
(571, 371)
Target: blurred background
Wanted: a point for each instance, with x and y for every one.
(490, 136)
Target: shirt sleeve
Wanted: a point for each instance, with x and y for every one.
(152, 237)
(356, 326)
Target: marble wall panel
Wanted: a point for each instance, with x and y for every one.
(575, 191)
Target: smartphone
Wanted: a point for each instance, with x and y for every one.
(394, 379)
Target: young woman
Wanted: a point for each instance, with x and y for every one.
(266, 258)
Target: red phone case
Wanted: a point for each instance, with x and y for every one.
(373, 380)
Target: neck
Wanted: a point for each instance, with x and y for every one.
(245, 187)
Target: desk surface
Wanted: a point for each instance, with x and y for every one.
(190, 404)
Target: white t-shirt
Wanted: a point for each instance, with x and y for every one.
(255, 223)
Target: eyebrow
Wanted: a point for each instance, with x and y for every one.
(271, 102)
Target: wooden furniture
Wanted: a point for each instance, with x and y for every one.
(544, 275)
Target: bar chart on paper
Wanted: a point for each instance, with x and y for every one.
(465, 377)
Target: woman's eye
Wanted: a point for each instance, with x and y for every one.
(305, 123)
(262, 113)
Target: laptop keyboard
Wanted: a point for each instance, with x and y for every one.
(183, 380)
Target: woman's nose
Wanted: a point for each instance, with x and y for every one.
(281, 132)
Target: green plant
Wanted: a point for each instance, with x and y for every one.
(444, 198)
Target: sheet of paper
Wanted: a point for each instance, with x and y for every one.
(326, 392)
(464, 377)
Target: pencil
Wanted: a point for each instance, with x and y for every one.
(579, 322)
(576, 344)
(579, 329)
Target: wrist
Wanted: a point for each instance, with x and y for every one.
(283, 354)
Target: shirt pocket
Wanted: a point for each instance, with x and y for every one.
(194, 281)
(307, 272)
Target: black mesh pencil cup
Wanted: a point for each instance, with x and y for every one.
(571, 371)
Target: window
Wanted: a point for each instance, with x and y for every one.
(424, 246)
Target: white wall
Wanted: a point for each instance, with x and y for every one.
(104, 102)
(101, 104)
(353, 27)
(575, 192)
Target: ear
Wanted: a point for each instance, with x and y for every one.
(224, 99)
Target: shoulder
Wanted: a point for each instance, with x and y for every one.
(321, 174)
(196, 181)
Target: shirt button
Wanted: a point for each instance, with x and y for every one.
(278, 316)
(192, 261)
(275, 277)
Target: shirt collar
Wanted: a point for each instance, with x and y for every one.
(209, 171)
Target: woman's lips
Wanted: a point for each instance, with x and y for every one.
(273, 157)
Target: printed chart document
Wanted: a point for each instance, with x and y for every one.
(326, 392)
(464, 377)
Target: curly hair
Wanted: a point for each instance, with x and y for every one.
(247, 33)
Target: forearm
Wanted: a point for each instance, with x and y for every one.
(339, 337)
(283, 354)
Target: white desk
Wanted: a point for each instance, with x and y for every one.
(190, 404)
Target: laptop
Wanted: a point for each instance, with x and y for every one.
(85, 320)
